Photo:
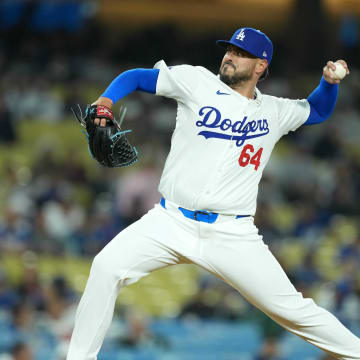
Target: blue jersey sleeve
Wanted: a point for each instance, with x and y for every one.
(322, 102)
(130, 81)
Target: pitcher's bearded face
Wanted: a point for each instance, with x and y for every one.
(237, 66)
(231, 76)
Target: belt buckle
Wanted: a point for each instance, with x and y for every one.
(196, 212)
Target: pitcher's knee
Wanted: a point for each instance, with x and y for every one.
(109, 266)
(102, 265)
(295, 310)
(120, 268)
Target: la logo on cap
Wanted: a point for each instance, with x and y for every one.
(241, 35)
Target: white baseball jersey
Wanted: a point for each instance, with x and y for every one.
(222, 140)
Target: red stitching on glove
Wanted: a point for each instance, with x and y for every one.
(104, 111)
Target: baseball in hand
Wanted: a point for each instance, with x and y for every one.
(339, 73)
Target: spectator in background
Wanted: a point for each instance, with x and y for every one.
(8, 296)
(136, 193)
(60, 312)
(25, 326)
(269, 350)
(215, 300)
(19, 327)
(15, 231)
(138, 333)
(7, 133)
(306, 274)
(349, 36)
(21, 351)
(62, 219)
(30, 288)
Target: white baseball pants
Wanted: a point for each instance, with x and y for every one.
(230, 248)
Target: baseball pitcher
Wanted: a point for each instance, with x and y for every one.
(225, 132)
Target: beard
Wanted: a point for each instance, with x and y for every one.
(236, 78)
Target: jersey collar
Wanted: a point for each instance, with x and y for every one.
(259, 96)
(256, 101)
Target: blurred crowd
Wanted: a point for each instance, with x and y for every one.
(36, 319)
(308, 204)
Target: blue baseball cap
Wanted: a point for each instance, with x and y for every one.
(251, 40)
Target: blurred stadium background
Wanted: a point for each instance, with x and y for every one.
(58, 208)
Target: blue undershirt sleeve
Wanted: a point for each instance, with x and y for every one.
(130, 81)
(322, 102)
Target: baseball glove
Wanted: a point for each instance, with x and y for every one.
(107, 144)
